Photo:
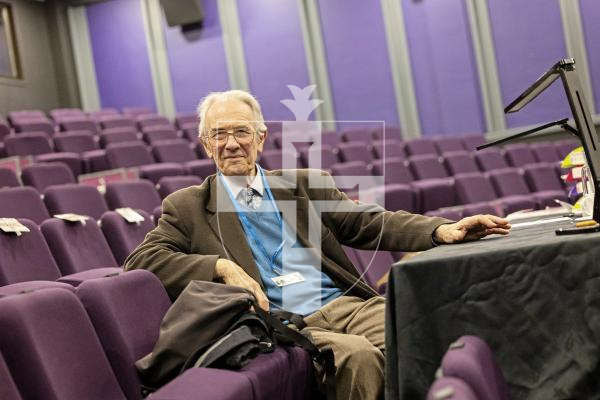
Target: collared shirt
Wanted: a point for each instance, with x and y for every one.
(238, 184)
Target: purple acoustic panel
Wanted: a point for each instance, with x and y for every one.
(357, 57)
(444, 68)
(197, 59)
(590, 15)
(528, 38)
(274, 51)
(120, 54)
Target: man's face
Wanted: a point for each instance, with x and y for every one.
(232, 140)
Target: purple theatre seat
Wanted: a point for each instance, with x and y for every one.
(154, 134)
(126, 311)
(565, 146)
(34, 125)
(274, 126)
(22, 202)
(77, 247)
(476, 188)
(156, 214)
(329, 138)
(509, 182)
(103, 112)
(80, 123)
(202, 168)
(419, 147)
(452, 389)
(75, 142)
(273, 159)
(123, 236)
(397, 197)
(116, 121)
(427, 166)
(222, 385)
(388, 148)
(71, 160)
(51, 350)
(29, 286)
(40, 176)
(154, 172)
(453, 213)
(118, 135)
(130, 154)
(470, 142)
(543, 177)
(59, 113)
(349, 169)
(354, 151)
(170, 184)
(134, 194)
(8, 178)
(27, 114)
(31, 143)
(357, 135)
(490, 159)
(445, 144)
(327, 157)
(191, 134)
(151, 120)
(135, 111)
(386, 132)
(74, 198)
(374, 267)
(8, 389)
(4, 129)
(184, 120)
(26, 257)
(395, 170)
(518, 155)
(545, 152)
(459, 162)
(480, 208)
(177, 151)
(470, 359)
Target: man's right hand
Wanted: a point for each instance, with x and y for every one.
(232, 274)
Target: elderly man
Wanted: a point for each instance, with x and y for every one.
(230, 229)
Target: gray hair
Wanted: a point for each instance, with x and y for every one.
(240, 95)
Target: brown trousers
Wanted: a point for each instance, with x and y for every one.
(354, 329)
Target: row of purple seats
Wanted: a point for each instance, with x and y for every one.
(93, 335)
(469, 371)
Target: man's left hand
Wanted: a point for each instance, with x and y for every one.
(471, 228)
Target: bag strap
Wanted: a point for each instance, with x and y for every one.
(324, 356)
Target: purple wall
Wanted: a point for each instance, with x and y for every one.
(120, 54)
(590, 15)
(528, 39)
(197, 60)
(357, 56)
(444, 67)
(274, 51)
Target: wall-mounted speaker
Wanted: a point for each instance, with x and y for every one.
(183, 12)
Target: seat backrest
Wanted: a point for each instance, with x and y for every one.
(128, 154)
(542, 177)
(8, 389)
(452, 213)
(170, 184)
(374, 265)
(78, 124)
(74, 198)
(135, 111)
(470, 142)
(50, 347)
(25, 144)
(121, 136)
(202, 168)
(357, 135)
(35, 125)
(396, 170)
(388, 148)
(386, 132)
(75, 141)
(471, 359)
(565, 146)
(397, 197)
(449, 388)
(325, 152)
(8, 178)
(273, 159)
(459, 162)
(473, 188)
(26, 257)
(544, 152)
(419, 147)
(173, 151)
(354, 151)
(445, 144)
(427, 166)
(126, 311)
(508, 182)
(77, 247)
(186, 119)
(123, 236)
(139, 194)
(490, 159)
(40, 176)
(116, 121)
(4, 129)
(519, 154)
(22, 202)
(480, 208)
(154, 134)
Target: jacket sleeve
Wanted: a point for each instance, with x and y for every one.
(166, 252)
(370, 226)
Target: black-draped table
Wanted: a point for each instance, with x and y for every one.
(533, 296)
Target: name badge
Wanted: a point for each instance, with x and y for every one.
(288, 279)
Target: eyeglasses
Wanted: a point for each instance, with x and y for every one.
(242, 135)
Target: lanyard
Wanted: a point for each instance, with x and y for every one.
(270, 259)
